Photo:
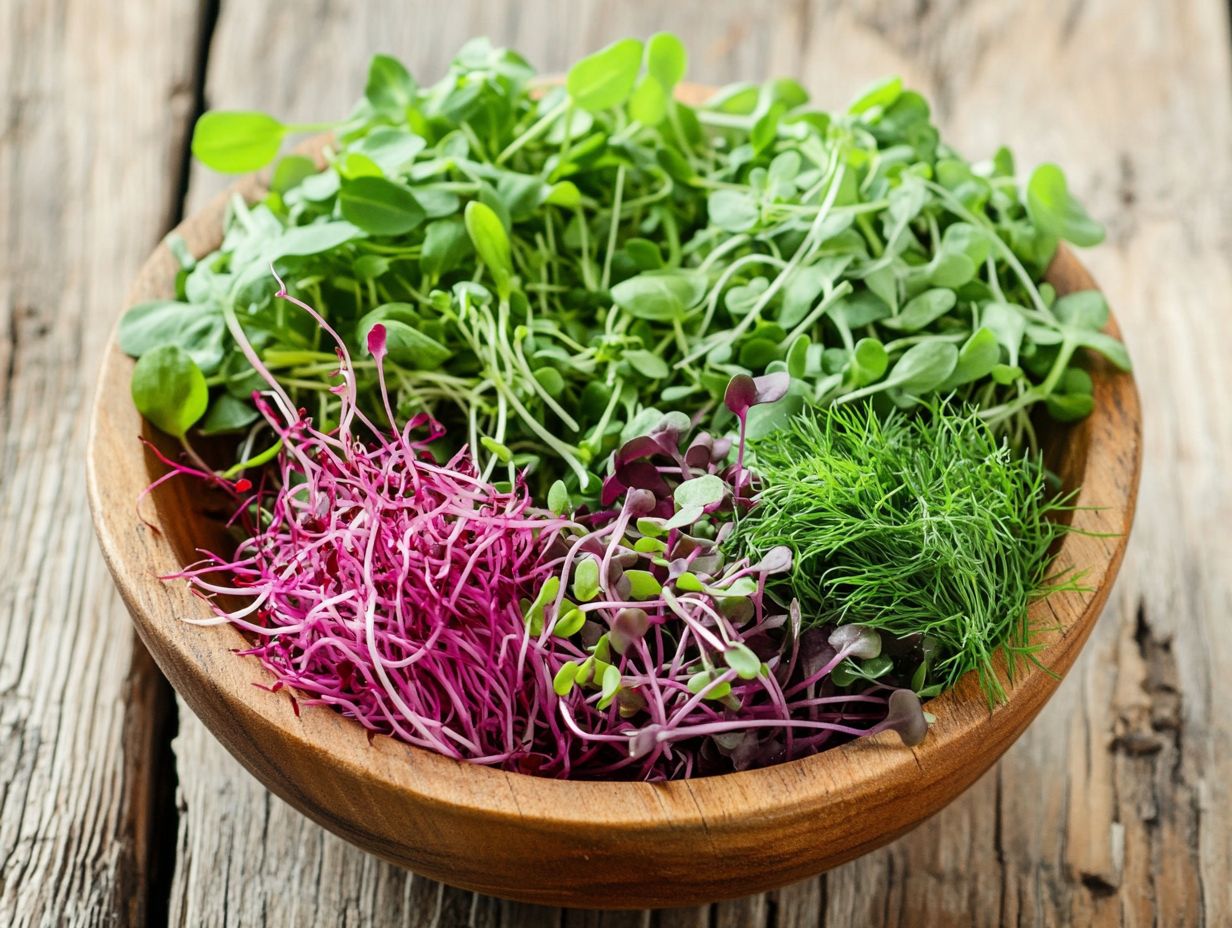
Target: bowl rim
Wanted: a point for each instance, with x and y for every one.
(137, 553)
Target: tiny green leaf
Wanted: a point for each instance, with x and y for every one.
(169, 389)
(648, 104)
(922, 310)
(660, 295)
(732, 210)
(880, 94)
(647, 364)
(606, 78)
(610, 686)
(380, 206)
(702, 679)
(742, 660)
(1054, 210)
(563, 682)
(643, 584)
(502, 452)
(558, 498)
(228, 414)
(390, 88)
(569, 624)
(666, 59)
(491, 243)
(924, 367)
(235, 142)
(586, 579)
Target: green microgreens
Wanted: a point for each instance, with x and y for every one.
(555, 266)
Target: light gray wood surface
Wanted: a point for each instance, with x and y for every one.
(1114, 808)
(93, 113)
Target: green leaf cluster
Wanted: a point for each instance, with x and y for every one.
(556, 266)
(928, 529)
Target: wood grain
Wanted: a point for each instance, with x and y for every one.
(84, 194)
(599, 844)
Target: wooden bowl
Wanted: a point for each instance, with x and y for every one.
(610, 845)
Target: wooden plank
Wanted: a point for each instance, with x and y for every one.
(1115, 805)
(93, 110)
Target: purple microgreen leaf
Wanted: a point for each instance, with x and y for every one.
(612, 490)
(771, 387)
(376, 342)
(635, 449)
(630, 702)
(644, 476)
(628, 626)
(906, 716)
(776, 561)
(707, 565)
(741, 393)
(815, 651)
(699, 453)
(856, 641)
(640, 502)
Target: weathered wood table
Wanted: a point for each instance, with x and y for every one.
(116, 808)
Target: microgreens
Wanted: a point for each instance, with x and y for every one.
(434, 607)
(556, 265)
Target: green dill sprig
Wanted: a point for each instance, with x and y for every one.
(928, 527)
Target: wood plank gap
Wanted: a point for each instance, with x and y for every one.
(165, 817)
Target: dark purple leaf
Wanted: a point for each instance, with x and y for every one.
(628, 627)
(699, 452)
(636, 448)
(643, 475)
(613, 489)
(906, 716)
(744, 391)
(741, 393)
